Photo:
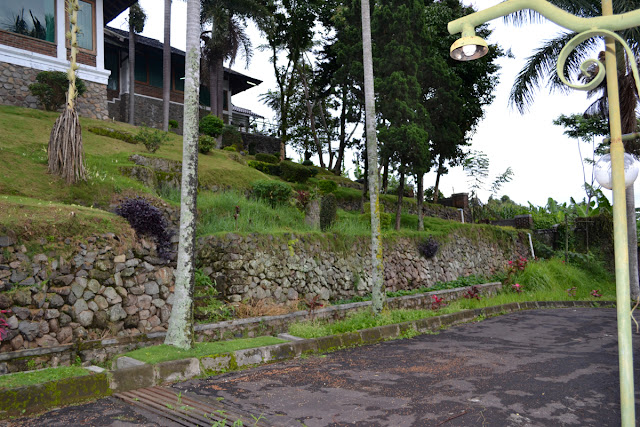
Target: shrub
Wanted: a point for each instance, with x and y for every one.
(268, 168)
(206, 143)
(211, 125)
(307, 163)
(116, 134)
(428, 248)
(327, 186)
(328, 211)
(230, 148)
(274, 192)
(231, 137)
(267, 158)
(173, 124)
(294, 172)
(151, 138)
(148, 220)
(51, 89)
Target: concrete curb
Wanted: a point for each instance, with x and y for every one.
(41, 397)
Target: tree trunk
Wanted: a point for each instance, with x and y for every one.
(132, 72)
(365, 184)
(312, 119)
(343, 134)
(385, 176)
(220, 89)
(180, 330)
(377, 267)
(436, 188)
(400, 196)
(166, 66)
(633, 243)
(420, 201)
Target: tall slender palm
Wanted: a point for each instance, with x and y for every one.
(226, 39)
(137, 19)
(541, 65)
(180, 331)
(166, 66)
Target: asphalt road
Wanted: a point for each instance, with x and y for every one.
(533, 368)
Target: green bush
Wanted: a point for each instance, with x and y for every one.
(267, 158)
(112, 133)
(231, 137)
(274, 192)
(294, 172)
(307, 163)
(268, 168)
(173, 124)
(51, 89)
(211, 125)
(327, 186)
(230, 148)
(206, 143)
(328, 211)
(151, 138)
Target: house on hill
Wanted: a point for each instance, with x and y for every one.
(32, 39)
(148, 87)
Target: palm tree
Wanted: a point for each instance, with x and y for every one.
(541, 66)
(226, 39)
(137, 19)
(180, 330)
(377, 267)
(166, 66)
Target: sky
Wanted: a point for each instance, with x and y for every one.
(545, 162)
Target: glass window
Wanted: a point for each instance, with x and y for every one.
(178, 76)
(85, 25)
(140, 71)
(112, 63)
(33, 18)
(155, 69)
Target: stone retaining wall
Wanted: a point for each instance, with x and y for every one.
(302, 266)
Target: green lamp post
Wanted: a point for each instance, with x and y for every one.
(470, 47)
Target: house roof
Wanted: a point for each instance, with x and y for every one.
(240, 82)
(246, 112)
(113, 8)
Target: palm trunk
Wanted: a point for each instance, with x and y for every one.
(377, 267)
(220, 90)
(180, 330)
(166, 66)
(420, 201)
(365, 184)
(132, 72)
(400, 196)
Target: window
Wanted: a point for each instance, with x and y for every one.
(178, 76)
(85, 25)
(112, 63)
(149, 68)
(33, 18)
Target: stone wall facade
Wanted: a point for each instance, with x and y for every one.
(290, 267)
(14, 90)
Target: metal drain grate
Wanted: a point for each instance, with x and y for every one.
(185, 410)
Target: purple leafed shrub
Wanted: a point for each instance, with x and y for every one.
(147, 220)
(428, 248)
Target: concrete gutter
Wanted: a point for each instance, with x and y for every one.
(42, 397)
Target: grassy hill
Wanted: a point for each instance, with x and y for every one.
(36, 205)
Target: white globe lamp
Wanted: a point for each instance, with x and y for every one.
(602, 171)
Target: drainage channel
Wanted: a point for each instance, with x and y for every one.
(185, 410)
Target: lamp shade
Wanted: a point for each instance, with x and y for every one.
(602, 170)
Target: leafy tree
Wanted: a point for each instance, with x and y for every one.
(180, 330)
(137, 19)
(289, 30)
(476, 166)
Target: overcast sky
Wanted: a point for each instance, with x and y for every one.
(545, 162)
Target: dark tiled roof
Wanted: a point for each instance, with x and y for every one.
(246, 112)
(113, 8)
(240, 82)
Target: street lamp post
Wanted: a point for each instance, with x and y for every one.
(470, 47)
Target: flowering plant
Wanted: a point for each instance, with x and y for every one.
(4, 326)
(437, 303)
(596, 293)
(517, 288)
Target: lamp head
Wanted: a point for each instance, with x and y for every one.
(468, 48)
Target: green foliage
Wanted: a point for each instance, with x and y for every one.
(113, 133)
(230, 148)
(211, 125)
(327, 186)
(173, 124)
(137, 18)
(51, 89)
(206, 143)
(231, 137)
(152, 139)
(307, 163)
(328, 211)
(294, 172)
(267, 158)
(268, 168)
(274, 192)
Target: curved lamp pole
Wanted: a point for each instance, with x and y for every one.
(470, 47)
